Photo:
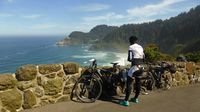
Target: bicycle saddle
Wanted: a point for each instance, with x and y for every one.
(114, 63)
(91, 60)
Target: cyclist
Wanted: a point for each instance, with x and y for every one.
(136, 57)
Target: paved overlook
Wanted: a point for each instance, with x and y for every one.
(177, 99)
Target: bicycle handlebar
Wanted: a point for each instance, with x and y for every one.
(94, 63)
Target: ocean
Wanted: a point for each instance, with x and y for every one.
(19, 51)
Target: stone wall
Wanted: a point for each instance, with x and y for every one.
(187, 73)
(33, 86)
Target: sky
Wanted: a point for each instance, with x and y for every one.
(61, 17)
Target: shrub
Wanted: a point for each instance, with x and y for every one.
(195, 56)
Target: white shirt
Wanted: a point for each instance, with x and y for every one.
(137, 51)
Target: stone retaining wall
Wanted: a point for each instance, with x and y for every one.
(34, 86)
(187, 73)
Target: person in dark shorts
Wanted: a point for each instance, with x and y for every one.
(136, 57)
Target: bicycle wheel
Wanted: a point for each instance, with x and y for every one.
(151, 84)
(88, 88)
(144, 91)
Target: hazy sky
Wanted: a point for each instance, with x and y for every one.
(60, 17)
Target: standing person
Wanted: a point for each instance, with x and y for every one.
(136, 57)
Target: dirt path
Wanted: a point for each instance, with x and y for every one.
(179, 99)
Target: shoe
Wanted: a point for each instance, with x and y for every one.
(124, 103)
(134, 100)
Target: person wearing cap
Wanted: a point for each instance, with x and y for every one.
(136, 57)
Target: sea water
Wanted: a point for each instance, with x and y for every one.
(19, 51)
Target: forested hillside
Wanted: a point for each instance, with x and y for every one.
(180, 34)
(95, 34)
(175, 35)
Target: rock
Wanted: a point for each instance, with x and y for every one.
(53, 86)
(68, 89)
(198, 79)
(60, 74)
(185, 80)
(11, 100)
(56, 96)
(168, 78)
(50, 68)
(197, 66)
(174, 82)
(48, 99)
(45, 97)
(3, 110)
(29, 99)
(70, 68)
(44, 102)
(52, 75)
(22, 85)
(26, 73)
(71, 80)
(7, 81)
(39, 92)
(181, 70)
(190, 67)
(181, 65)
(39, 80)
(197, 73)
(52, 101)
(64, 98)
(178, 76)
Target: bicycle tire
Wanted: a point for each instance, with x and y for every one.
(88, 88)
(144, 90)
(151, 83)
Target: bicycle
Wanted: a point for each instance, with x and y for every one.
(153, 78)
(89, 87)
(157, 76)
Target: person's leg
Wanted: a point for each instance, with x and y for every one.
(128, 88)
(137, 90)
(137, 87)
(125, 102)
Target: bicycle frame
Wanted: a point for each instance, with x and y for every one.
(88, 87)
(158, 73)
(103, 73)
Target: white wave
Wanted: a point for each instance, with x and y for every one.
(104, 58)
(122, 59)
(91, 54)
(80, 56)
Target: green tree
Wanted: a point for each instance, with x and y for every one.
(151, 52)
